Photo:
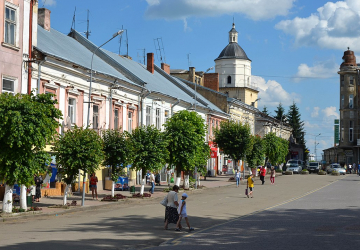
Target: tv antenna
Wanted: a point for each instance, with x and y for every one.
(73, 21)
(141, 58)
(159, 48)
(127, 41)
(87, 32)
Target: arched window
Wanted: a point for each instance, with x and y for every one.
(229, 80)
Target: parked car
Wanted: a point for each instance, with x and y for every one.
(295, 166)
(314, 167)
(336, 167)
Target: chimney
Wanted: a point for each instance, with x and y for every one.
(192, 74)
(44, 18)
(211, 81)
(165, 67)
(150, 62)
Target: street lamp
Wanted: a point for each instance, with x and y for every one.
(316, 145)
(89, 101)
(196, 83)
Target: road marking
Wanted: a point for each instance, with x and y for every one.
(177, 241)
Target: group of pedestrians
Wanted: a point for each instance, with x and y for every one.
(353, 168)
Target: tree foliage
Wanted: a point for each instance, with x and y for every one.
(28, 124)
(256, 155)
(186, 134)
(117, 151)
(276, 148)
(265, 110)
(294, 120)
(280, 112)
(234, 138)
(78, 149)
(149, 149)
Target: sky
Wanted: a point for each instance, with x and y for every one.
(296, 46)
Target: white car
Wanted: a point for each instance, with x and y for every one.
(336, 167)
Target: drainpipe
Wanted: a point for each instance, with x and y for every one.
(39, 75)
(172, 107)
(30, 45)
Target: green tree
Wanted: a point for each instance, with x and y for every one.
(186, 134)
(149, 150)
(117, 153)
(78, 149)
(276, 149)
(28, 124)
(256, 156)
(280, 112)
(235, 139)
(265, 110)
(294, 120)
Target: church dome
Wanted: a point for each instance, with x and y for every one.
(231, 51)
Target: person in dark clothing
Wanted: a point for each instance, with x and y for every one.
(38, 181)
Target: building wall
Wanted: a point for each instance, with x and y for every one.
(238, 69)
(246, 95)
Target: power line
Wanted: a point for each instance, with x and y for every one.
(303, 77)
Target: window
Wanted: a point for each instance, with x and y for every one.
(10, 26)
(167, 113)
(342, 80)
(148, 115)
(351, 135)
(130, 121)
(229, 80)
(342, 101)
(351, 101)
(342, 134)
(351, 114)
(351, 81)
(72, 110)
(96, 116)
(158, 118)
(116, 119)
(8, 85)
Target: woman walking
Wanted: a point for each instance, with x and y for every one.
(272, 175)
(171, 213)
(237, 177)
(93, 185)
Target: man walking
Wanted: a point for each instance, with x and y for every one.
(152, 183)
(262, 174)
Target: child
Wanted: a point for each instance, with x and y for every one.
(182, 213)
(250, 185)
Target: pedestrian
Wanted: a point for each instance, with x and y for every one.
(38, 182)
(152, 183)
(350, 167)
(250, 185)
(182, 213)
(272, 175)
(237, 177)
(93, 185)
(262, 174)
(171, 213)
(359, 169)
(354, 168)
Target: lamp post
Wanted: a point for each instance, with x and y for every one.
(196, 83)
(89, 101)
(316, 145)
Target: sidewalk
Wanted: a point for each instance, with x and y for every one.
(48, 204)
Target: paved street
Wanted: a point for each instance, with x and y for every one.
(298, 212)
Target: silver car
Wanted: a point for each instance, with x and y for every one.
(336, 167)
(294, 166)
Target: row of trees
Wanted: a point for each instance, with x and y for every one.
(29, 123)
(235, 140)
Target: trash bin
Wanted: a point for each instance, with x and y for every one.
(29, 201)
(132, 189)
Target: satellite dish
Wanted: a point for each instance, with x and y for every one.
(68, 122)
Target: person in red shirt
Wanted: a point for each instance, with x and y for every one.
(93, 185)
(262, 174)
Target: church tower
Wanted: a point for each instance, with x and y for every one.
(234, 68)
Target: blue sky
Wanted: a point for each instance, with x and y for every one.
(295, 46)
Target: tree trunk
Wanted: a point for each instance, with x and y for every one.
(178, 176)
(198, 180)
(67, 187)
(113, 189)
(143, 181)
(8, 200)
(186, 182)
(23, 197)
(83, 192)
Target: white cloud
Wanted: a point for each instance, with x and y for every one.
(330, 113)
(333, 26)
(254, 9)
(272, 93)
(315, 112)
(325, 69)
(49, 2)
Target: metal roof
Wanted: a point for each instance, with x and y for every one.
(232, 50)
(59, 45)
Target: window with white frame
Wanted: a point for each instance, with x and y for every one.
(10, 26)
(351, 129)
(158, 123)
(95, 116)
(72, 110)
(351, 101)
(130, 121)
(148, 115)
(8, 85)
(116, 118)
(166, 115)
